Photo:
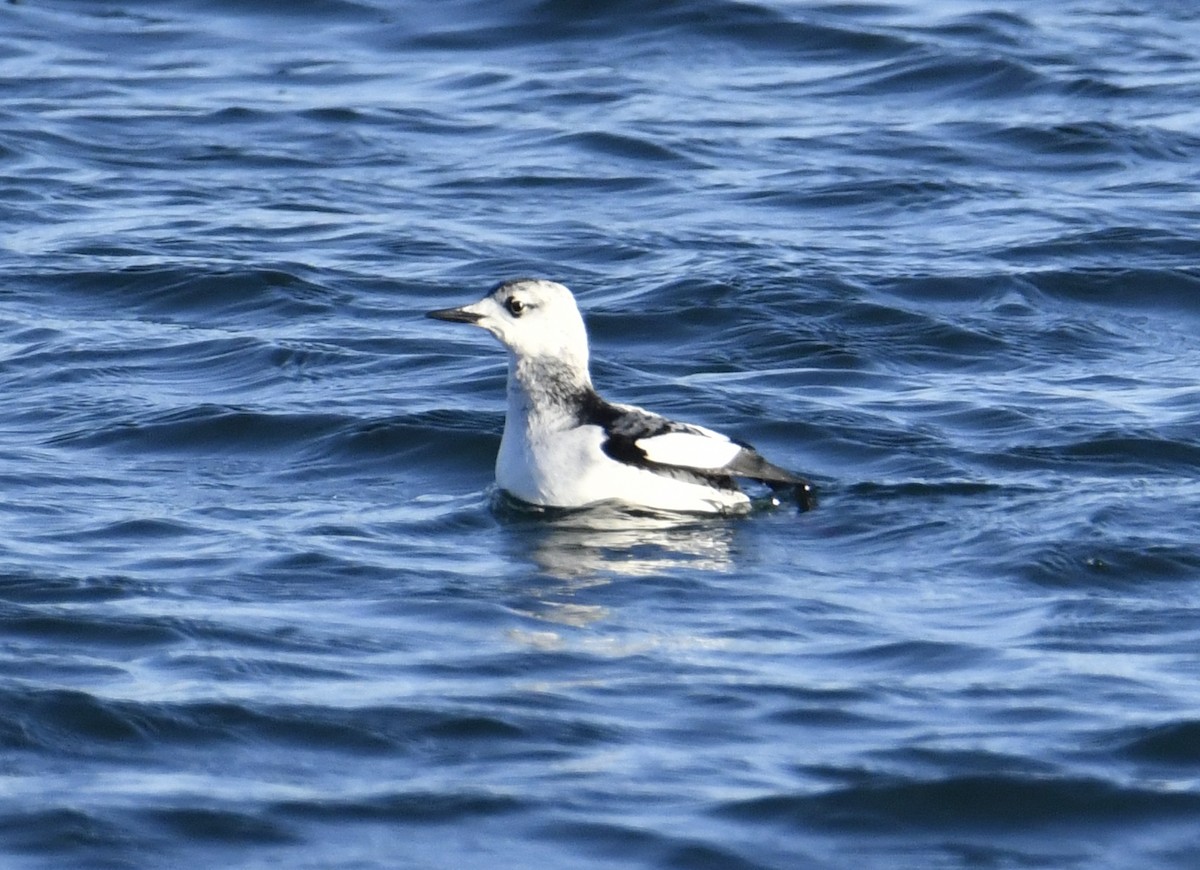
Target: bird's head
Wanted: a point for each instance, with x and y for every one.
(533, 318)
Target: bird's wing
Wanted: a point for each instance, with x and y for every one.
(641, 438)
(712, 452)
(690, 447)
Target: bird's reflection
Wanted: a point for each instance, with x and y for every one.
(580, 549)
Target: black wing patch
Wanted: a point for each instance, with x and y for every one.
(750, 463)
(624, 427)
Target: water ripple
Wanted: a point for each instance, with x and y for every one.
(260, 604)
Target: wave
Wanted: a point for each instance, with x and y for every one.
(970, 803)
(755, 26)
(1091, 560)
(1171, 744)
(1119, 453)
(82, 724)
(182, 289)
(310, 439)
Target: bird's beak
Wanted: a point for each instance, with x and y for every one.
(456, 315)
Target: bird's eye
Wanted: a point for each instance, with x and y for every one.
(514, 305)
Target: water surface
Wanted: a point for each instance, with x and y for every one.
(257, 607)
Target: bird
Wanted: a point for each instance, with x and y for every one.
(566, 447)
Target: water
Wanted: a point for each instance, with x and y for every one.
(257, 607)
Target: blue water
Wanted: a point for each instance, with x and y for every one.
(258, 607)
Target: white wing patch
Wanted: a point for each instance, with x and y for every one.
(695, 447)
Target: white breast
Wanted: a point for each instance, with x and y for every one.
(568, 468)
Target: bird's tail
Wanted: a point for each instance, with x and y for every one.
(751, 465)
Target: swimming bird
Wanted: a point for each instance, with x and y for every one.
(564, 446)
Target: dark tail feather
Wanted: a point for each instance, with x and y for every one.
(750, 464)
(806, 496)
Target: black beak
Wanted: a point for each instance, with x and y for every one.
(455, 315)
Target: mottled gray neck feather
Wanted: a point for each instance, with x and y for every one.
(547, 388)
